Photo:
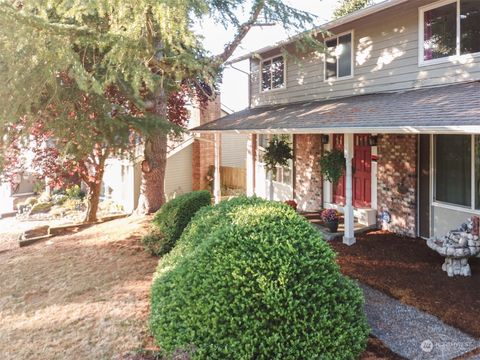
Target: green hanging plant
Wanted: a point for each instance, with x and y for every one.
(332, 165)
(277, 153)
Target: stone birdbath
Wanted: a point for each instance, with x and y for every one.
(457, 246)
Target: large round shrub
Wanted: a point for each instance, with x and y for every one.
(251, 279)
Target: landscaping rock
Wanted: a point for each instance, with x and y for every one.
(35, 232)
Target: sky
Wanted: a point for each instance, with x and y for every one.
(234, 88)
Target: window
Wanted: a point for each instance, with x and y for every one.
(449, 28)
(453, 165)
(338, 57)
(470, 26)
(281, 174)
(457, 170)
(273, 73)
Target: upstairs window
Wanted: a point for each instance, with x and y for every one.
(273, 73)
(449, 28)
(338, 57)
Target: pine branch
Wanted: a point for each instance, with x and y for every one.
(41, 24)
(242, 31)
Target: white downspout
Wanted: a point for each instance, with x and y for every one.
(348, 237)
(217, 192)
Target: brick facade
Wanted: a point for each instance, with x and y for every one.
(397, 182)
(308, 185)
(203, 154)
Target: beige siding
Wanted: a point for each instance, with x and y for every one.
(119, 183)
(386, 59)
(178, 175)
(234, 150)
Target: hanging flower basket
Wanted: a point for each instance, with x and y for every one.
(277, 153)
(332, 165)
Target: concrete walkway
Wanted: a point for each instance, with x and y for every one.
(412, 333)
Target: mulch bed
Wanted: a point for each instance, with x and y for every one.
(406, 269)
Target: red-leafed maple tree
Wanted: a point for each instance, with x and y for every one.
(72, 137)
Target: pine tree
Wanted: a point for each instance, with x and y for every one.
(145, 49)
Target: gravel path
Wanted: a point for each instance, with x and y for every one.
(412, 333)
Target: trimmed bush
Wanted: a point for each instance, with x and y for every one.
(174, 216)
(40, 208)
(251, 279)
(153, 242)
(30, 201)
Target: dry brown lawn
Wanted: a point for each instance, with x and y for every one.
(80, 296)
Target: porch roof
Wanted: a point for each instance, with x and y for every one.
(446, 109)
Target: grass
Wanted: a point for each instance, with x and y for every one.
(80, 296)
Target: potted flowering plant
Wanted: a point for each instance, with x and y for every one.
(292, 204)
(330, 219)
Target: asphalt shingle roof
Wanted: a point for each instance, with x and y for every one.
(456, 105)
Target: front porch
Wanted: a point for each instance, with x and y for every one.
(411, 162)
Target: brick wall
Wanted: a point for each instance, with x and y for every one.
(203, 154)
(308, 179)
(397, 182)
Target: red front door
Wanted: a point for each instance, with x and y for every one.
(362, 172)
(362, 176)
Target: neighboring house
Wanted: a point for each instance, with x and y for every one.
(12, 195)
(398, 91)
(189, 161)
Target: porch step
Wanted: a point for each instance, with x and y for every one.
(364, 216)
(329, 236)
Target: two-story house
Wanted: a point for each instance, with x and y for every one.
(398, 90)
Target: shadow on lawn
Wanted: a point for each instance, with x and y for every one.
(78, 296)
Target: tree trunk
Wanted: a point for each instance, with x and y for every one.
(94, 189)
(93, 201)
(152, 189)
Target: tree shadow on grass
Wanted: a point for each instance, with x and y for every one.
(78, 295)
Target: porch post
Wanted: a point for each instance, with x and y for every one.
(348, 237)
(216, 178)
(250, 173)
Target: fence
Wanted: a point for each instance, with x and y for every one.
(233, 178)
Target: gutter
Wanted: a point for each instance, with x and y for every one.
(359, 14)
(454, 129)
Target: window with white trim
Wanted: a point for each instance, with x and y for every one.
(281, 174)
(449, 28)
(339, 57)
(273, 73)
(457, 170)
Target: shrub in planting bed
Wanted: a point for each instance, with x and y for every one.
(173, 217)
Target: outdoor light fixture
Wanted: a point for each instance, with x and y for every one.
(325, 139)
(373, 140)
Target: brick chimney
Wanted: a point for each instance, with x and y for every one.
(203, 156)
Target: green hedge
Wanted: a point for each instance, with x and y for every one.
(172, 218)
(251, 279)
